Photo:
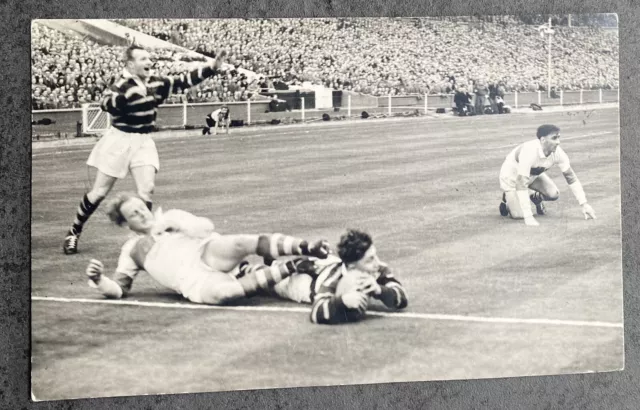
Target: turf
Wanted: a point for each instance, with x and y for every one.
(427, 189)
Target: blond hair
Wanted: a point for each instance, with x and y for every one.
(114, 205)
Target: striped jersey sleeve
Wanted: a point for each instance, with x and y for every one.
(328, 308)
(393, 294)
(183, 81)
(133, 103)
(114, 101)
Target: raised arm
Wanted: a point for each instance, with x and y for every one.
(171, 84)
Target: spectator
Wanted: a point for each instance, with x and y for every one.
(462, 102)
(481, 91)
(277, 104)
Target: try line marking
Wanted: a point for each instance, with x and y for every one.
(407, 315)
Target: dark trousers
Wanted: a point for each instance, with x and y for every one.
(211, 123)
(481, 100)
(461, 106)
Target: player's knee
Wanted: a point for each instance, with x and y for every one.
(223, 293)
(243, 244)
(553, 196)
(146, 189)
(97, 194)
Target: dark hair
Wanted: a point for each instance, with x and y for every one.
(353, 245)
(547, 129)
(115, 204)
(128, 54)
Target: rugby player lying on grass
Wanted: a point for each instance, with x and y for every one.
(183, 253)
(339, 288)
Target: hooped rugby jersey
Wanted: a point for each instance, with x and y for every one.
(327, 308)
(133, 103)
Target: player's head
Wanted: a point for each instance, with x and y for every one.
(357, 251)
(128, 208)
(549, 136)
(138, 61)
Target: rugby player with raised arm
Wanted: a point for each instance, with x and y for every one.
(132, 100)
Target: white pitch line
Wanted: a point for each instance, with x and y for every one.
(563, 138)
(409, 315)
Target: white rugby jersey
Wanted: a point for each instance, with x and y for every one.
(173, 259)
(528, 159)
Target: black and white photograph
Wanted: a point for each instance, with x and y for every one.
(243, 204)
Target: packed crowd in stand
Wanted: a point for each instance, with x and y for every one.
(68, 71)
(371, 56)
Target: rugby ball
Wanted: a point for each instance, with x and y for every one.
(349, 283)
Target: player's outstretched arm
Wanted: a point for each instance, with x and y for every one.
(183, 81)
(110, 288)
(578, 192)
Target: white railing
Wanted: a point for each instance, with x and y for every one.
(185, 115)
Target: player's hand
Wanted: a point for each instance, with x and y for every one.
(531, 221)
(320, 249)
(588, 212)
(384, 270)
(94, 270)
(355, 300)
(369, 286)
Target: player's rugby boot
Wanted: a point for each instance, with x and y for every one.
(71, 243)
(242, 269)
(504, 211)
(268, 260)
(536, 198)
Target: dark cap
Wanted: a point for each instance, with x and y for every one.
(547, 129)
